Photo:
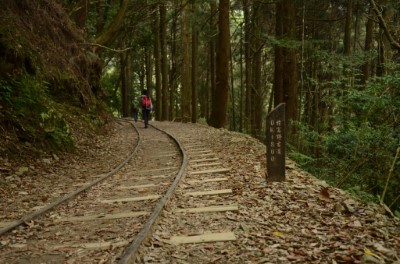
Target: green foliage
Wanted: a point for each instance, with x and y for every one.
(355, 151)
(303, 160)
(28, 108)
(56, 128)
(93, 118)
(367, 197)
(110, 84)
(397, 213)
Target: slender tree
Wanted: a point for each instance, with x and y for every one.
(220, 101)
(369, 29)
(194, 74)
(173, 76)
(248, 68)
(213, 23)
(285, 78)
(157, 64)
(185, 66)
(124, 84)
(347, 29)
(164, 63)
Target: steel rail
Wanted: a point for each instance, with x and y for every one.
(131, 251)
(47, 208)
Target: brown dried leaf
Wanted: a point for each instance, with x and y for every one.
(324, 194)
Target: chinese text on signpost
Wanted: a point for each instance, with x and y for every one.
(276, 144)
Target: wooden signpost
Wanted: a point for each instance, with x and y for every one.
(276, 144)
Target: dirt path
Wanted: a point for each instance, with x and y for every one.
(276, 223)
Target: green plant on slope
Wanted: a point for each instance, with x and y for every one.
(28, 108)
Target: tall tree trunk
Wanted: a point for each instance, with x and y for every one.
(80, 15)
(242, 90)
(347, 29)
(174, 67)
(102, 13)
(129, 80)
(194, 75)
(347, 69)
(356, 24)
(194, 62)
(108, 34)
(218, 114)
(157, 64)
(247, 58)
(185, 67)
(382, 23)
(233, 101)
(213, 9)
(124, 85)
(369, 29)
(164, 62)
(285, 78)
(259, 28)
(149, 70)
(279, 58)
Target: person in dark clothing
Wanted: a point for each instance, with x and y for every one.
(147, 107)
(135, 110)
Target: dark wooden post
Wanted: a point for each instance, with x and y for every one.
(275, 140)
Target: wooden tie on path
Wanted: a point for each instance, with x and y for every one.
(102, 217)
(213, 192)
(221, 170)
(213, 237)
(202, 162)
(221, 208)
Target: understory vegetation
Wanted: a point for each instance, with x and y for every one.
(47, 83)
(357, 147)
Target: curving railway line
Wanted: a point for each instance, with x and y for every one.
(106, 219)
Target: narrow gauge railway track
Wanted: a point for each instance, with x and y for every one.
(106, 220)
(201, 209)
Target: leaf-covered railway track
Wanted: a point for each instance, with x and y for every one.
(107, 219)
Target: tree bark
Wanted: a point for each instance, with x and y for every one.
(164, 62)
(157, 64)
(218, 114)
(279, 58)
(347, 29)
(194, 75)
(174, 67)
(369, 29)
(383, 25)
(257, 44)
(80, 15)
(285, 82)
(124, 85)
(185, 83)
(247, 58)
(149, 70)
(213, 8)
(108, 35)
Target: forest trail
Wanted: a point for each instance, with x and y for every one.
(302, 220)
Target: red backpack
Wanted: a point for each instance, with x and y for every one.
(146, 102)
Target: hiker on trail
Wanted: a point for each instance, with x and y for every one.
(147, 106)
(135, 110)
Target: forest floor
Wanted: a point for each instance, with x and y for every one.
(301, 220)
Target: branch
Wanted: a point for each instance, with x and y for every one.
(108, 34)
(382, 23)
(107, 48)
(390, 173)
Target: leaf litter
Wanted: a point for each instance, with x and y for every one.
(302, 220)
